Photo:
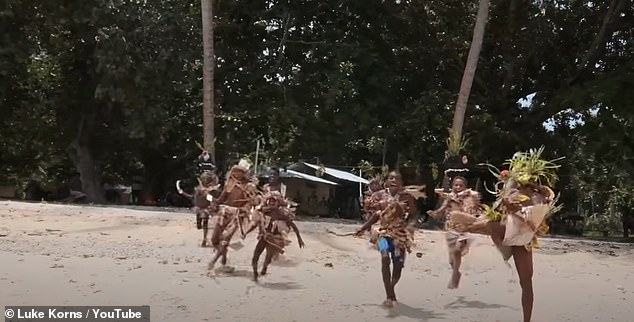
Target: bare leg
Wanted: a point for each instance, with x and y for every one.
(223, 252)
(387, 281)
(241, 223)
(259, 248)
(396, 276)
(252, 228)
(216, 235)
(217, 241)
(497, 233)
(226, 239)
(270, 252)
(524, 265)
(205, 224)
(215, 259)
(456, 261)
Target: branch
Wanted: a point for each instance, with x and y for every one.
(511, 65)
(303, 42)
(598, 44)
(280, 51)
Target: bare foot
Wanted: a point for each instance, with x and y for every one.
(455, 281)
(388, 303)
(203, 243)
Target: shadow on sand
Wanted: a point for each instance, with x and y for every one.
(249, 274)
(401, 309)
(338, 243)
(461, 302)
(285, 262)
(95, 229)
(280, 285)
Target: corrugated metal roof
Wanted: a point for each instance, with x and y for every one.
(294, 174)
(339, 174)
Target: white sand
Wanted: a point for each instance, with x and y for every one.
(75, 255)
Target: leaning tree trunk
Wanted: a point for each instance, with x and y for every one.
(88, 174)
(628, 221)
(208, 77)
(470, 68)
(455, 143)
(81, 156)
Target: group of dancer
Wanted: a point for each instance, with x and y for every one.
(514, 221)
(241, 205)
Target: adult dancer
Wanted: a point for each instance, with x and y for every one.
(395, 211)
(460, 201)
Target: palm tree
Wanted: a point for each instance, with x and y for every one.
(208, 77)
(469, 72)
(456, 142)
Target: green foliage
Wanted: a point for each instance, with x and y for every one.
(526, 167)
(341, 81)
(455, 144)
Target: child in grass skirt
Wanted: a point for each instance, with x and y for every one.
(274, 220)
(460, 207)
(232, 209)
(207, 183)
(394, 208)
(519, 215)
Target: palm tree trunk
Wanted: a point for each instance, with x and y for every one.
(470, 67)
(208, 77)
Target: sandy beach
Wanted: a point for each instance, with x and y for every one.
(79, 255)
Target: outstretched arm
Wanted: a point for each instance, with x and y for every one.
(438, 213)
(221, 199)
(186, 195)
(296, 230)
(275, 213)
(375, 217)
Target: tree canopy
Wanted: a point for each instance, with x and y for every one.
(113, 89)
